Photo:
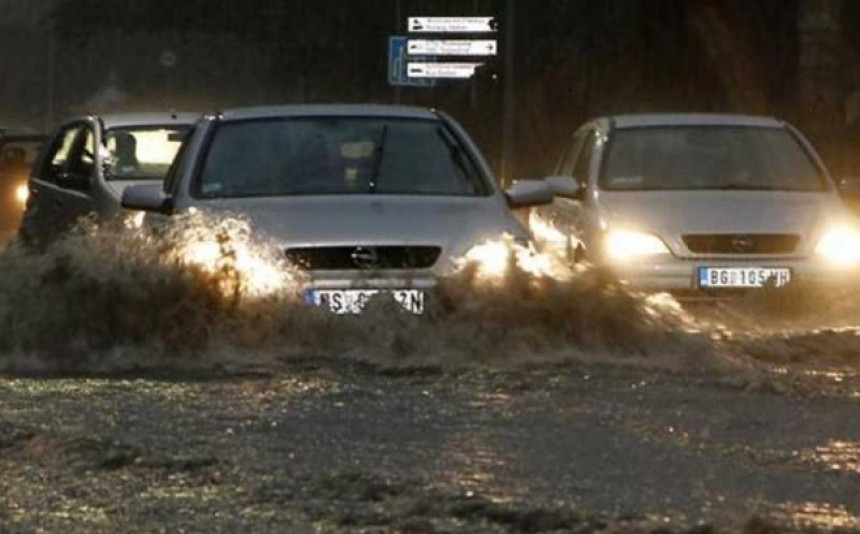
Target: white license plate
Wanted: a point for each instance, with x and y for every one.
(743, 277)
(344, 301)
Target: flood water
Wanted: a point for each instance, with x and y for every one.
(151, 380)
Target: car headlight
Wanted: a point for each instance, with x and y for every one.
(622, 245)
(840, 246)
(493, 258)
(22, 193)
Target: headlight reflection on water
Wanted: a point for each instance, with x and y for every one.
(258, 275)
(494, 258)
(229, 250)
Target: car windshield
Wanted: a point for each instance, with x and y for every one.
(337, 155)
(708, 157)
(142, 153)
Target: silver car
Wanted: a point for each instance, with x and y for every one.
(364, 198)
(90, 160)
(698, 203)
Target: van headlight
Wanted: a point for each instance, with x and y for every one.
(624, 245)
(840, 246)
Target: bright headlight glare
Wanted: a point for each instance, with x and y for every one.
(22, 193)
(840, 246)
(494, 258)
(624, 245)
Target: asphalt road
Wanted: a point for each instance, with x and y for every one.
(321, 446)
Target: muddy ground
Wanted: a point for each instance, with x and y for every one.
(343, 447)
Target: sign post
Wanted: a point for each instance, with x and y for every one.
(452, 25)
(398, 63)
(411, 61)
(478, 47)
(461, 48)
(428, 70)
(509, 101)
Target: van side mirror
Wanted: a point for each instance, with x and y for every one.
(528, 194)
(565, 187)
(147, 197)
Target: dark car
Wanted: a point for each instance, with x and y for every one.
(90, 160)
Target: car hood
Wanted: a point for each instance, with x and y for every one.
(453, 223)
(673, 214)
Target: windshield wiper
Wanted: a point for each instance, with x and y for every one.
(377, 162)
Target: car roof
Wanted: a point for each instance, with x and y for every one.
(692, 119)
(323, 110)
(121, 120)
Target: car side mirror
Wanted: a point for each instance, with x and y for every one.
(146, 197)
(528, 194)
(565, 187)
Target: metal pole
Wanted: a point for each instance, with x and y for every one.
(49, 108)
(473, 89)
(398, 25)
(509, 97)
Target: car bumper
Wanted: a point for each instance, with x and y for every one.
(382, 281)
(682, 275)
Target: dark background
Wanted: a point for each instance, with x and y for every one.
(573, 59)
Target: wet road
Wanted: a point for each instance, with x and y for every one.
(342, 447)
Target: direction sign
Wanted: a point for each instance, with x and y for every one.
(481, 47)
(452, 24)
(397, 65)
(442, 70)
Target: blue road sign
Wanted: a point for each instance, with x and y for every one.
(397, 64)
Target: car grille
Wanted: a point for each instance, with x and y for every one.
(364, 257)
(742, 243)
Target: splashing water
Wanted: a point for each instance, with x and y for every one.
(496, 258)
(227, 247)
(202, 288)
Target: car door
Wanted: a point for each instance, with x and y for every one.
(76, 183)
(59, 186)
(573, 213)
(561, 226)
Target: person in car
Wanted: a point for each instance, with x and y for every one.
(125, 152)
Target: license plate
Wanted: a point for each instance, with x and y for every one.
(743, 277)
(352, 301)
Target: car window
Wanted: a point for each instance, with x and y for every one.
(583, 162)
(568, 160)
(337, 155)
(81, 158)
(179, 165)
(58, 157)
(142, 153)
(709, 157)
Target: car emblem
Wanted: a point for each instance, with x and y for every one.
(365, 257)
(743, 243)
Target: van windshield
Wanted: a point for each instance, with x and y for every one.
(709, 157)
